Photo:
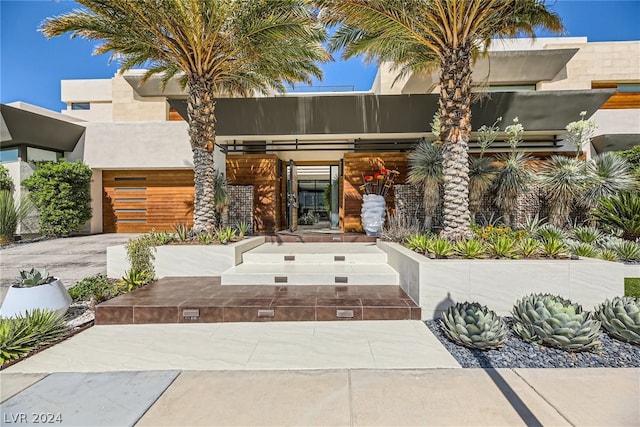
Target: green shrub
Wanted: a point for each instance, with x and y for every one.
(632, 287)
(23, 334)
(141, 253)
(61, 192)
(11, 214)
(633, 159)
(620, 212)
(6, 183)
(95, 288)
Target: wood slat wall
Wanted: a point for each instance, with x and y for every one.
(261, 171)
(619, 100)
(137, 201)
(355, 166)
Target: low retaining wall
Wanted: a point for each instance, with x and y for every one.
(186, 260)
(435, 285)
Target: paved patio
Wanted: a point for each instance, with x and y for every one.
(70, 259)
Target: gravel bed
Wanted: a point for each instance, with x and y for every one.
(520, 354)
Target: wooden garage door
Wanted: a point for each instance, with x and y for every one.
(136, 201)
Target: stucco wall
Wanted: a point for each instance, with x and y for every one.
(601, 61)
(129, 107)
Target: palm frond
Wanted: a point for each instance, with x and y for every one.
(425, 170)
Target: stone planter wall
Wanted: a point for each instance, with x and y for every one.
(437, 284)
(186, 260)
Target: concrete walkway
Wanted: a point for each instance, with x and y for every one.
(425, 397)
(70, 259)
(402, 344)
(369, 373)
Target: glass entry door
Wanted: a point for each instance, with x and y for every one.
(292, 197)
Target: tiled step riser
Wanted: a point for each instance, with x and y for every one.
(314, 258)
(143, 315)
(319, 279)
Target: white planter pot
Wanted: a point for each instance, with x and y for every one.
(52, 296)
(373, 212)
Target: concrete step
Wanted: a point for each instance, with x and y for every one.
(310, 274)
(316, 253)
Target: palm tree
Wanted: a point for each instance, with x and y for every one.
(419, 36)
(215, 47)
(425, 170)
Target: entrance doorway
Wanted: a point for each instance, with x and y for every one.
(312, 197)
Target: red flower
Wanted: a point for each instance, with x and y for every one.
(378, 176)
(368, 178)
(383, 171)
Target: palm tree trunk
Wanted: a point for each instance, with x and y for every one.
(202, 133)
(455, 116)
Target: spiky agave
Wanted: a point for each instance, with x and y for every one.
(620, 318)
(557, 322)
(475, 326)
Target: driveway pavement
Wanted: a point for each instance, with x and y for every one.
(71, 258)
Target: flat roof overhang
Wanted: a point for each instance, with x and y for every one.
(504, 68)
(615, 142)
(153, 86)
(548, 111)
(36, 130)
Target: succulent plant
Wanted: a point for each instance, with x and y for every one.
(470, 249)
(620, 318)
(556, 322)
(582, 249)
(586, 234)
(33, 277)
(475, 326)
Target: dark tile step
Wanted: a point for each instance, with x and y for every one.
(203, 299)
(110, 315)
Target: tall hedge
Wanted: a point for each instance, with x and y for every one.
(62, 193)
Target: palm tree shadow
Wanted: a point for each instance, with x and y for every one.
(485, 363)
(512, 397)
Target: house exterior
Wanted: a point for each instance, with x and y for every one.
(286, 150)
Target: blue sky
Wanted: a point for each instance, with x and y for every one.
(31, 66)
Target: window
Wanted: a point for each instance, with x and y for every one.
(628, 87)
(9, 154)
(506, 88)
(80, 106)
(40, 155)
